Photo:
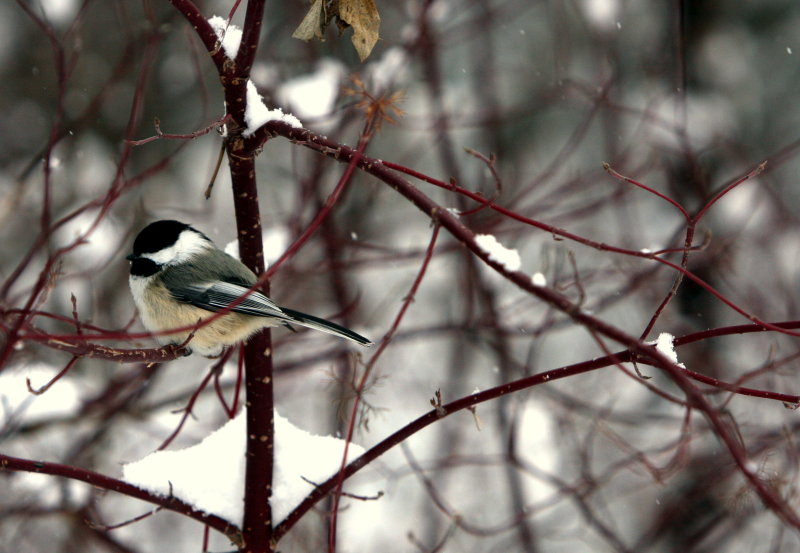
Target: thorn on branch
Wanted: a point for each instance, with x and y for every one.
(75, 318)
(436, 402)
(474, 410)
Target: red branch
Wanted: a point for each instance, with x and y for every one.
(463, 234)
(234, 74)
(112, 484)
(496, 392)
(368, 372)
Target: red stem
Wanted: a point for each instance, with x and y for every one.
(112, 484)
(204, 31)
(464, 235)
(257, 523)
(365, 378)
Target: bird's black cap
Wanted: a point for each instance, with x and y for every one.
(158, 235)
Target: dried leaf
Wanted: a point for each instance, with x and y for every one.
(313, 24)
(363, 16)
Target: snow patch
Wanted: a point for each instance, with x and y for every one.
(229, 35)
(210, 475)
(256, 113)
(508, 258)
(665, 343)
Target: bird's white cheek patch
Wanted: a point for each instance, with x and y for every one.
(187, 246)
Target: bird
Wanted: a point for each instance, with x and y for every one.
(179, 278)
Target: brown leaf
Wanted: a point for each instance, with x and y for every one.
(363, 16)
(313, 24)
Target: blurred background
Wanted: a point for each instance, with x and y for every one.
(685, 97)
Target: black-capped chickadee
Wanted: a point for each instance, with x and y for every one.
(178, 276)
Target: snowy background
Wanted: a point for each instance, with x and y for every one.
(682, 97)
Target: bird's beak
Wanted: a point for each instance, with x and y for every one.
(131, 257)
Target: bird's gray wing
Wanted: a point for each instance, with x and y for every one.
(215, 296)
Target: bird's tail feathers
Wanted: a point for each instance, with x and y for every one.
(325, 326)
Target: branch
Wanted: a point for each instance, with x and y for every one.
(384, 171)
(96, 351)
(458, 230)
(112, 484)
(204, 31)
(472, 400)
